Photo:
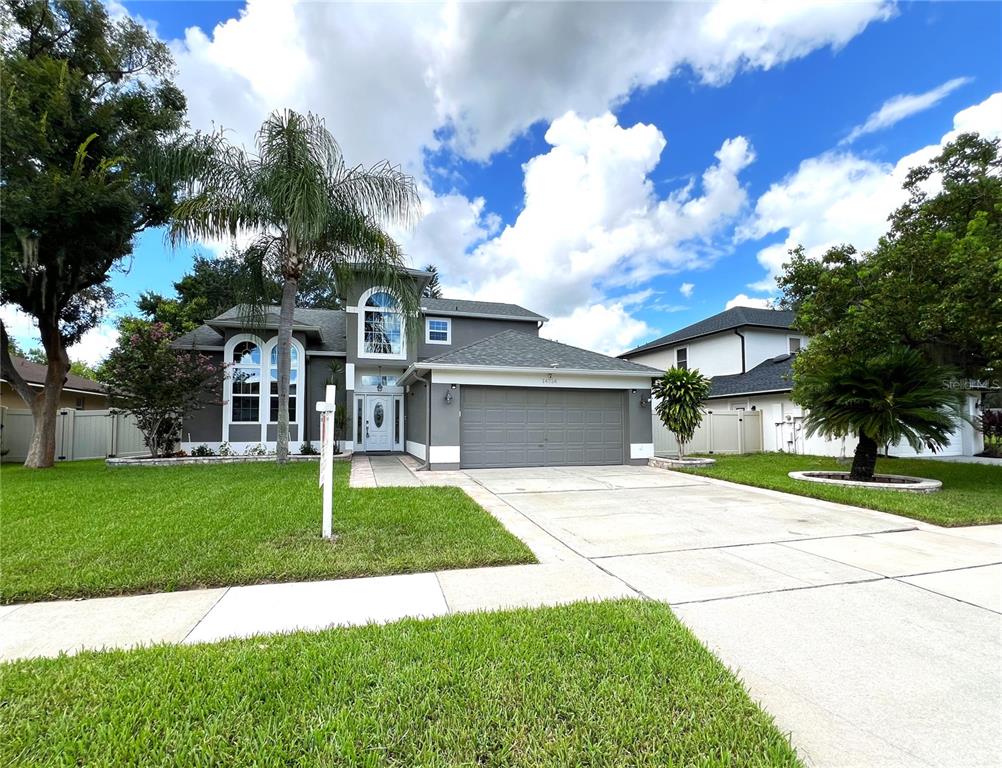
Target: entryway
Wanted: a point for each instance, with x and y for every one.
(378, 423)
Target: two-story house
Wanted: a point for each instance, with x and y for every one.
(473, 386)
(748, 355)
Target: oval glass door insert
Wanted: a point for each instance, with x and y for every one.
(377, 415)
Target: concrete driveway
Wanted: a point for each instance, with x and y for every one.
(875, 640)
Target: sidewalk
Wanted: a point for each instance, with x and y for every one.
(207, 615)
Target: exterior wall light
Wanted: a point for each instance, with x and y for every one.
(644, 401)
(448, 396)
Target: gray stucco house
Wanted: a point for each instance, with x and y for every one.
(474, 386)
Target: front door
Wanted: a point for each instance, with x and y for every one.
(378, 417)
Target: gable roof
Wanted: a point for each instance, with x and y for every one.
(772, 375)
(517, 349)
(735, 317)
(34, 374)
(469, 308)
(327, 326)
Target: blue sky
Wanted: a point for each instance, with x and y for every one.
(561, 150)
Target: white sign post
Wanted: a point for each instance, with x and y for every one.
(327, 456)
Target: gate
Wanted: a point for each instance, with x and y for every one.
(719, 432)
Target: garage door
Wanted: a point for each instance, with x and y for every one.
(508, 427)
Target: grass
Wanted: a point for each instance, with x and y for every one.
(82, 529)
(971, 493)
(598, 684)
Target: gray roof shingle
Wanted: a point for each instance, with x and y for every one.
(515, 349)
(773, 375)
(330, 324)
(201, 337)
(469, 307)
(735, 317)
(34, 373)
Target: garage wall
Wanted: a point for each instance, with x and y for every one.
(415, 419)
(640, 434)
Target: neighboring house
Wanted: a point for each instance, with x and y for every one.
(78, 392)
(473, 386)
(748, 354)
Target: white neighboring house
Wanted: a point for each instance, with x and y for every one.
(748, 354)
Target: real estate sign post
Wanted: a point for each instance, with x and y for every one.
(326, 410)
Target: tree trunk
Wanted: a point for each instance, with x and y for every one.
(865, 459)
(681, 447)
(289, 289)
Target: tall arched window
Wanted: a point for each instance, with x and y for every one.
(293, 383)
(382, 326)
(245, 400)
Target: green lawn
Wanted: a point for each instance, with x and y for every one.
(971, 493)
(599, 684)
(82, 529)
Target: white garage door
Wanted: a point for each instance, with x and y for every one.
(510, 427)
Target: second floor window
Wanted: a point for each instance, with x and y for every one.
(293, 383)
(682, 358)
(794, 344)
(438, 331)
(382, 326)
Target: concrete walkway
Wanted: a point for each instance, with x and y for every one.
(875, 640)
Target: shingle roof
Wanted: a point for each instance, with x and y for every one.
(735, 317)
(203, 336)
(516, 349)
(34, 373)
(330, 325)
(773, 375)
(468, 307)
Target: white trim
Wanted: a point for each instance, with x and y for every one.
(228, 387)
(445, 454)
(641, 450)
(448, 330)
(543, 378)
(324, 353)
(415, 449)
(300, 384)
(360, 329)
(791, 338)
(349, 376)
(351, 310)
(539, 319)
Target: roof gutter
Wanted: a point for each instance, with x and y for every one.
(415, 367)
(750, 394)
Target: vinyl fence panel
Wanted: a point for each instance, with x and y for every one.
(79, 435)
(720, 432)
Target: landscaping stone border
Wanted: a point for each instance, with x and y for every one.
(903, 483)
(665, 463)
(179, 461)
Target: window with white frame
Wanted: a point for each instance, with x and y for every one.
(293, 383)
(438, 330)
(382, 326)
(795, 344)
(245, 390)
(682, 358)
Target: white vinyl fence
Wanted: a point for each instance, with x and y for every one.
(79, 435)
(720, 432)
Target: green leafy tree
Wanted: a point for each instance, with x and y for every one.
(934, 282)
(86, 105)
(307, 207)
(882, 398)
(680, 394)
(433, 288)
(159, 385)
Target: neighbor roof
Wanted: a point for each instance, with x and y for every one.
(34, 373)
(773, 375)
(461, 307)
(518, 349)
(735, 317)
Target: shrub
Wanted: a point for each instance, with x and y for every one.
(202, 450)
(991, 428)
(307, 449)
(680, 394)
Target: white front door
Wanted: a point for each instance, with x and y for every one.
(378, 422)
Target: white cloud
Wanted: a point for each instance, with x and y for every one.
(686, 289)
(839, 197)
(609, 329)
(91, 349)
(592, 225)
(897, 108)
(743, 300)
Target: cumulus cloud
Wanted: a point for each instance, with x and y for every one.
(606, 328)
(839, 197)
(592, 225)
(91, 349)
(896, 109)
(686, 289)
(744, 300)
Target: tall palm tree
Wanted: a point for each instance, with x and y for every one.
(883, 398)
(305, 207)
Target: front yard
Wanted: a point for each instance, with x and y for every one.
(611, 684)
(971, 493)
(84, 530)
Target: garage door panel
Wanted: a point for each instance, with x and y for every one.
(505, 427)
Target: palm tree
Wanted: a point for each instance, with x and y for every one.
(306, 208)
(882, 398)
(680, 394)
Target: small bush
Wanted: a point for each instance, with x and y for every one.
(202, 450)
(307, 449)
(256, 450)
(225, 449)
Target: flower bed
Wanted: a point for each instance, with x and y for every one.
(883, 482)
(665, 463)
(176, 461)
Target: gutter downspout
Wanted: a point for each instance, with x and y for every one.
(427, 421)
(742, 337)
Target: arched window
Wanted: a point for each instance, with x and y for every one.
(382, 325)
(293, 383)
(245, 400)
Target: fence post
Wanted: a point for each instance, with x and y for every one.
(741, 433)
(64, 431)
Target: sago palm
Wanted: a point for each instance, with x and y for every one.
(305, 207)
(883, 399)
